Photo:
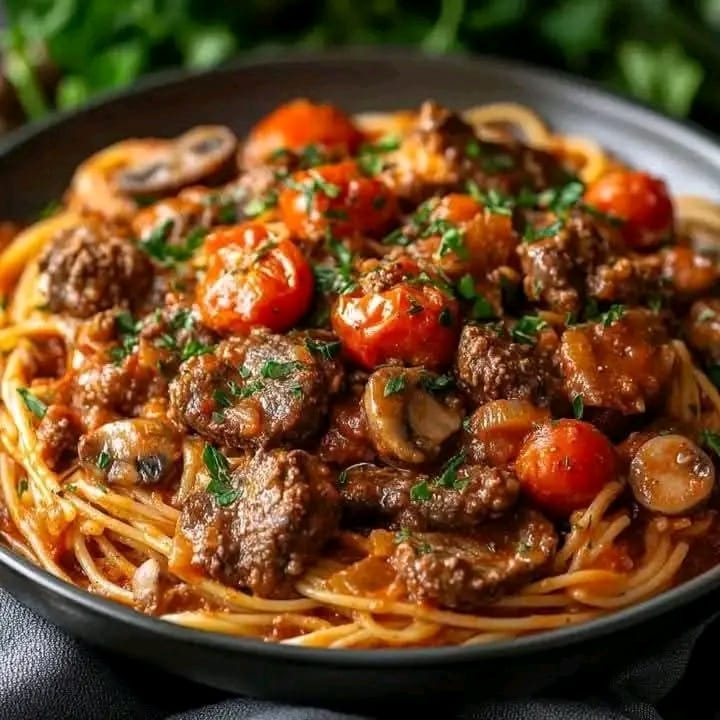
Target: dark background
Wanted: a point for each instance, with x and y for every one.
(59, 53)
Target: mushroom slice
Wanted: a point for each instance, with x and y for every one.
(671, 475)
(205, 153)
(139, 451)
(409, 414)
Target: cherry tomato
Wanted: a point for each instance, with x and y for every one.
(298, 124)
(412, 324)
(562, 466)
(336, 197)
(253, 280)
(640, 200)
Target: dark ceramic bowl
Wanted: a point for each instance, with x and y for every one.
(35, 166)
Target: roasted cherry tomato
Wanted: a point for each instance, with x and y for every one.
(298, 124)
(562, 466)
(640, 200)
(336, 197)
(253, 280)
(408, 323)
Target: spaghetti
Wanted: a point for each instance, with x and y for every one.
(136, 541)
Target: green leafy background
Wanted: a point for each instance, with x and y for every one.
(58, 53)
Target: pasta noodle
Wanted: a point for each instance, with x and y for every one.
(100, 536)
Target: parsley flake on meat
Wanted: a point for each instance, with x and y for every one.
(220, 485)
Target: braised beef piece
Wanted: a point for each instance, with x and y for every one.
(490, 366)
(405, 498)
(556, 268)
(89, 269)
(260, 390)
(632, 279)
(105, 390)
(622, 364)
(702, 329)
(465, 572)
(287, 509)
(58, 434)
(453, 154)
(175, 329)
(346, 441)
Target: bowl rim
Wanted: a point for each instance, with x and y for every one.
(684, 132)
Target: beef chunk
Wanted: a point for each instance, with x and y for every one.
(624, 365)
(287, 510)
(58, 434)
(442, 153)
(702, 329)
(556, 268)
(346, 441)
(465, 572)
(260, 390)
(631, 279)
(108, 390)
(490, 366)
(89, 269)
(420, 502)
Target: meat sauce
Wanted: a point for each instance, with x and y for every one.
(437, 344)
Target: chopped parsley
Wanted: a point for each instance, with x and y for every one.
(404, 535)
(279, 370)
(437, 383)
(527, 328)
(342, 478)
(451, 239)
(311, 156)
(532, 234)
(561, 199)
(261, 204)
(497, 162)
(103, 460)
(578, 407)
(157, 244)
(36, 406)
(614, 314)
(22, 486)
(420, 491)
(482, 308)
(296, 390)
(370, 159)
(193, 348)
(52, 208)
(394, 385)
(311, 186)
(250, 389)
(448, 477)
(326, 350)
(336, 279)
(220, 485)
(711, 440)
(493, 200)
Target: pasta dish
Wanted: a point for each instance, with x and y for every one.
(423, 377)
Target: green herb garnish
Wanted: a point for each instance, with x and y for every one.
(711, 440)
(103, 460)
(448, 477)
(527, 328)
(578, 407)
(220, 485)
(533, 234)
(612, 315)
(326, 350)
(279, 370)
(394, 385)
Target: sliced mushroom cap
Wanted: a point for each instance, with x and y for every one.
(408, 421)
(671, 475)
(140, 451)
(205, 153)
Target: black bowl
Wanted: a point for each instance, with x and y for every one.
(35, 165)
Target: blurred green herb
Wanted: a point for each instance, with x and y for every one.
(60, 53)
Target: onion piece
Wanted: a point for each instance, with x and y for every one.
(498, 428)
